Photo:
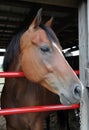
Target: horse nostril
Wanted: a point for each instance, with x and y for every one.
(77, 91)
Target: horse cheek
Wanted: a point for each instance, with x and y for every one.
(30, 67)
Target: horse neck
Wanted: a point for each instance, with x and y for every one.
(16, 63)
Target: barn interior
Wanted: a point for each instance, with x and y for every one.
(17, 15)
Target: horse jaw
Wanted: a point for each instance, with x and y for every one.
(69, 92)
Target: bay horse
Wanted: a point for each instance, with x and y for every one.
(38, 53)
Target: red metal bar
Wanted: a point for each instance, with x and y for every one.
(37, 109)
(18, 74)
(76, 71)
(11, 74)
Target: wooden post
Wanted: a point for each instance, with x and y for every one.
(88, 30)
(83, 18)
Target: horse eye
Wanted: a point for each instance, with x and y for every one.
(45, 49)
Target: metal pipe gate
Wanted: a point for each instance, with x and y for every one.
(10, 111)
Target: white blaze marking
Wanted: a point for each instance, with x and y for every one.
(55, 45)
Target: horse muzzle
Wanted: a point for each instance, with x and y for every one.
(73, 96)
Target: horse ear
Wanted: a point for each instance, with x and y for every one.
(49, 22)
(37, 20)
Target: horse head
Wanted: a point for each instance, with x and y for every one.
(42, 62)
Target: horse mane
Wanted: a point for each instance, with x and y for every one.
(11, 51)
(13, 47)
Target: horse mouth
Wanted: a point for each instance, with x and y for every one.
(66, 101)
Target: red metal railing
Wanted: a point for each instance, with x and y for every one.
(77, 72)
(18, 74)
(11, 74)
(10, 111)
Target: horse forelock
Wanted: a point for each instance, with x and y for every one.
(12, 50)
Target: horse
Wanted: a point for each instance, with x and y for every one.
(49, 79)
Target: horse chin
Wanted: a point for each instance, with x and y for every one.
(66, 101)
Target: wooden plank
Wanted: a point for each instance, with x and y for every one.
(88, 29)
(87, 76)
(65, 3)
(2, 53)
(83, 47)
